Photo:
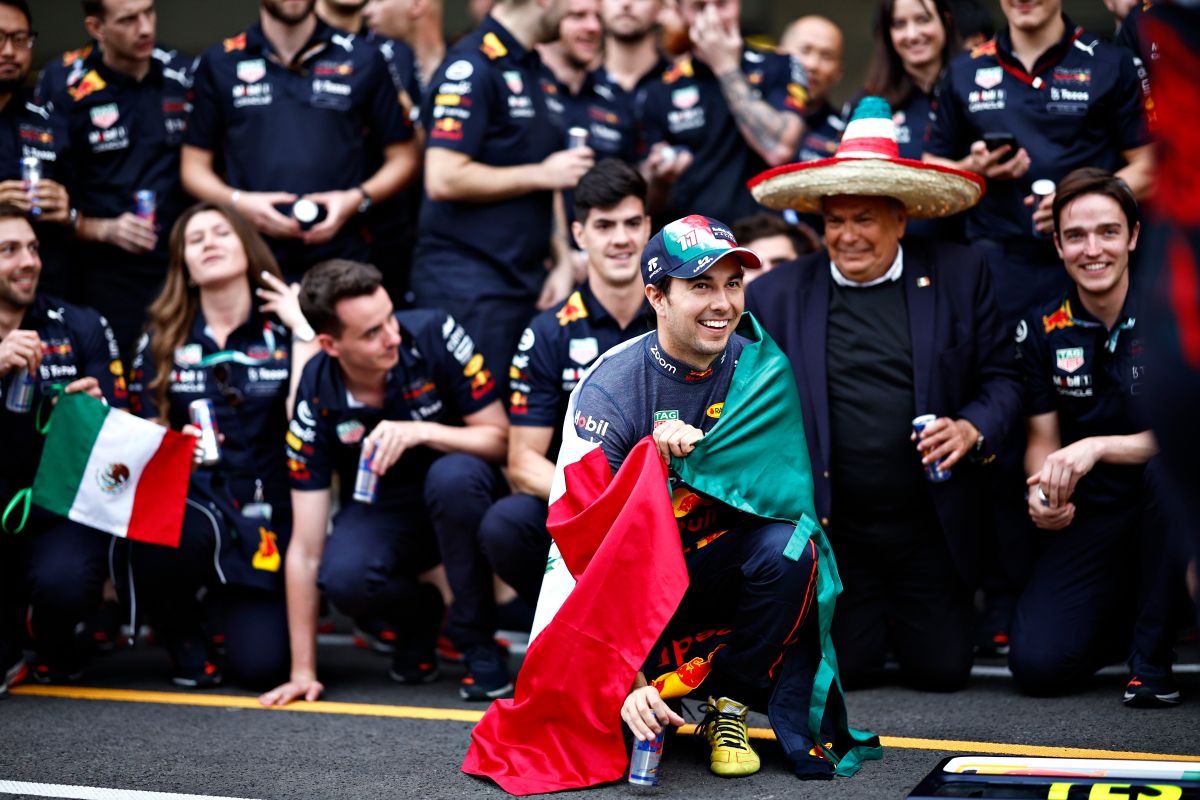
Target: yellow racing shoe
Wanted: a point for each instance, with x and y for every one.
(724, 727)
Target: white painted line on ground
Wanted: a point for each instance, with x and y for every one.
(96, 792)
(983, 671)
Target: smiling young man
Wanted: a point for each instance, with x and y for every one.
(409, 390)
(555, 351)
(1089, 444)
(746, 599)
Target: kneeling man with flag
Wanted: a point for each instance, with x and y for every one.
(699, 564)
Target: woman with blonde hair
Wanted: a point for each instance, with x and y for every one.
(225, 331)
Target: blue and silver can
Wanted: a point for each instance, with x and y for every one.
(31, 173)
(146, 204)
(19, 397)
(643, 761)
(577, 137)
(366, 482)
(204, 417)
(933, 471)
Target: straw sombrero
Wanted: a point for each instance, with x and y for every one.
(868, 162)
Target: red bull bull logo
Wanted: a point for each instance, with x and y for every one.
(267, 557)
(572, 311)
(1060, 319)
(688, 677)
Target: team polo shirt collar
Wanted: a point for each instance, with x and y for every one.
(1053, 55)
(595, 309)
(258, 43)
(1082, 318)
(516, 51)
(120, 79)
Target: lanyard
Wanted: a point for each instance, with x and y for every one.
(238, 357)
(1033, 80)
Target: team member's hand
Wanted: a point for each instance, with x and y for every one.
(198, 450)
(946, 440)
(645, 713)
(987, 163)
(666, 163)
(562, 170)
(1043, 215)
(54, 202)
(20, 349)
(716, 45)
(676, 438)
(340, 207)
(390, 439)
(558, 284)
(259, 208)
(1046, 517)
(1063, 468)
(282, 300)
(309, 689)
(16, 193)
(89, 386)
(129, 232)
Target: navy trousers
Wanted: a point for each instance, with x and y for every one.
(515, 541)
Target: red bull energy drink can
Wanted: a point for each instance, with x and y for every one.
(146, 204)
(932, 471)
(205, 418)
(1041, 189)
(577, 137)
(643, 761)
(19, 398)
(31, 173)
(366, 482)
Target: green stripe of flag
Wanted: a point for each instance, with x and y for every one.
(65, 457)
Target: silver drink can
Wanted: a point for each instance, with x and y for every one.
(644, 760)
(577, 137)
(20, 391)
(366, 482)
(932, 471)
(1041, 188)
(31, 173)
(204, 417)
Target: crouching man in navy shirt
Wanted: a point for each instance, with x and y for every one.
(408, 390)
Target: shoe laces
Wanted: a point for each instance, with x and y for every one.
(729, 729)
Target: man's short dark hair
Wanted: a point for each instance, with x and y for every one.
(94, 8)
(1093, 180)
(972, 18)
(764, 225)
(605, 185)
(8, 210)
(330, 281)
(22, 6)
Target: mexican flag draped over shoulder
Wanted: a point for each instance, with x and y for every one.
(616, 574)
(114, 472)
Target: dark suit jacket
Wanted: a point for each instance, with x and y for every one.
(962, 363)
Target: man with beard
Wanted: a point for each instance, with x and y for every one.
(737, 109)
(493, 163)
(120, 127)
(26, 132)
(57, 567)
(283, 107)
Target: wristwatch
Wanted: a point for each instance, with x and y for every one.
(366, 203)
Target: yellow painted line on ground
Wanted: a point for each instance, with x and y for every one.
(465, 715)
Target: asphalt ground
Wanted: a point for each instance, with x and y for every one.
(371, 738)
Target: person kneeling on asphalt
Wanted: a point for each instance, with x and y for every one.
(406, 396)
(1089, 459)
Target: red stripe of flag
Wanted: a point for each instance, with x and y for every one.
(158, 502)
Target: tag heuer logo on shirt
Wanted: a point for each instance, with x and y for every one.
(105, 116)
(685, 97)
(512, 78)
(583, 351)
(251, 71)
(1069, 359)
(988, 77)
(663, 417)
(351, 431)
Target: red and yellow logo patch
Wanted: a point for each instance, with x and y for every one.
(267, 557)
(89, 84)
(492, 47)
(235, 43)
(573, 310)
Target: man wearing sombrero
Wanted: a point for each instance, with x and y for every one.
(879, 332)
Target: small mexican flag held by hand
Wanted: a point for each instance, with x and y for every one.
(114, 472)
